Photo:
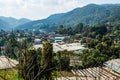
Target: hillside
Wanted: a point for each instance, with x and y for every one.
(90, 14)
(9, 22)
(4, 25)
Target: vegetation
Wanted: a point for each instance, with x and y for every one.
(7, 23)
(69, 30)
(103, 46)
(36, 64)
(90, 15)
(102, 41)
(8, 74)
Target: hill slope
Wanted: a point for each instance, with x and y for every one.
(9, 22)
(4, 25)
(90, 14)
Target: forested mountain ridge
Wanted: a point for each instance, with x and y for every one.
(4, 25)
(89, 15)
(7, 23)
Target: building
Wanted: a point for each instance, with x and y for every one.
(37, 41)
(75, 47)
(7, 63)
(59, 39)
(113, 65)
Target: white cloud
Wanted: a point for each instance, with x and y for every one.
(37, 9)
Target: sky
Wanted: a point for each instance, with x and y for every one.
(39, 9)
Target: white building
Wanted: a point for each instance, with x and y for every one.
(37, 41)
(6, 63)
(76, 47)
(113, 64)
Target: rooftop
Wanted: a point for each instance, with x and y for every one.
(6, 63)
(68, 47)
(113, 64)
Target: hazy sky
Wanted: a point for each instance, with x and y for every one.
(38, 9)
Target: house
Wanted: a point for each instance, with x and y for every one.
(37, 41)
(7, 63)
(58, 39)
(113, 64)
(75, 47)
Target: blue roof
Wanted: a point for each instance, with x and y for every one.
(58, 38)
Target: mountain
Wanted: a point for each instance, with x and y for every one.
(4, 25)
(89, 15)
(9, 22)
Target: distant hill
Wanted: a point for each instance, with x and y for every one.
(4, 25)
(90, 14)
(9, 22)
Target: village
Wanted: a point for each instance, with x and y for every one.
(68, 43)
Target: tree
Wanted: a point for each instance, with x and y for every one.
(29, 65)
(69, 31)
(47, 59)
(64, 59)
(11, 44)
(99, 29)
(78, 28)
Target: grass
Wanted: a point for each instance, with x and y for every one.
(9, 74)
(12, 74)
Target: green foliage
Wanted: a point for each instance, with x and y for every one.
(37, 64)
(65, 30)
(99, 29)
(64, 59)
(9, 74)
(79, 28)
(103, 45)
(92, 58)
(69, 30)
(47, 60)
